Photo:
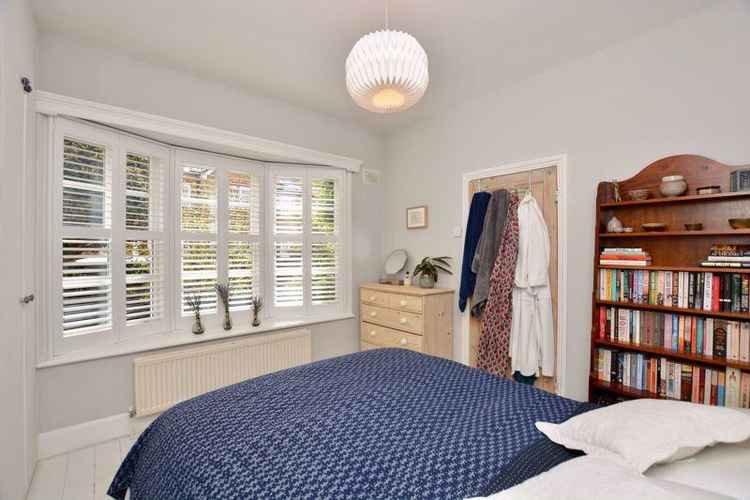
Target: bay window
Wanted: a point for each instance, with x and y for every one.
(137, 227)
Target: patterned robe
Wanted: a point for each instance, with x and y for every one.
(494, 340)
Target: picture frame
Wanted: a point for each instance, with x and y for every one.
(416, 217)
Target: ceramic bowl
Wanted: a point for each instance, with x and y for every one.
(654, 226)
(742, 223)
(673, 185)
(639, 194)
(696, 226)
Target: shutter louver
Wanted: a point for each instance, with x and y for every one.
(288, 275)
(86, 185)
(144, 281)
(199, 273)
(198, 210)
(244, 203)
(323, 206)
(244, 276)
(86, 286)
(324, 260)
(288, 205)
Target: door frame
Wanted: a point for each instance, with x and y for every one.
(561, 162)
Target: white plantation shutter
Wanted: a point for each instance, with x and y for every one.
(86, 286)
(145, 245)
(81, 229)
(87, 184)
(288, 274)
(307, 247)
(199, 273)
(198, 207)
(144, 281)
(220, 231)
(244, 273)
(324, 257)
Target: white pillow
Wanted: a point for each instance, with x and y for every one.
(643, 432)
(724, 468)
(594, 477)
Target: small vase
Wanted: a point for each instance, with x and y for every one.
(256, 320)
(426, 281)
(227, 320)
(198, 325)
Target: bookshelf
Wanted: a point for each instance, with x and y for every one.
(674, 250)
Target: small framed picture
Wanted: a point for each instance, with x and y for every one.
(416, 217)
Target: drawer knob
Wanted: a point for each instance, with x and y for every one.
(403, 302)
(372, 333)
(403, 341)
(403, 321)
(373, 314)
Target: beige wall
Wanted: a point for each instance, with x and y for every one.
(73, 394)
(680, 89)
(17, 432)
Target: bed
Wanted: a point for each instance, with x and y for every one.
(386, 423)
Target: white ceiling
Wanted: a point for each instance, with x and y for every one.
(295, 49)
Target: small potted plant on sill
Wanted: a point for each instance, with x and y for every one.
(222, 290)
(428, 269)
(194, 302)
(256, 303)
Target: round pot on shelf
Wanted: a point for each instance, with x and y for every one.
(673, 185)
(426, 281)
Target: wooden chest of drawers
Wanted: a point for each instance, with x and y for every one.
(408, 317)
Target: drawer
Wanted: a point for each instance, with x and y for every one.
(374, 297)
(395, 319)
(405, 302)
(381, 336)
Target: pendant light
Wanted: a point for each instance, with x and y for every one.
(386, 71)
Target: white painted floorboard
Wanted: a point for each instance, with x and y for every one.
(83, 474)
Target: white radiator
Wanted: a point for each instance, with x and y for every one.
(163, 380)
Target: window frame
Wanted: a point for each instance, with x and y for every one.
(52, 131)
(223, 165)
(307, 239)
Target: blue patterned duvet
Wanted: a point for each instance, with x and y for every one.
(387, 423)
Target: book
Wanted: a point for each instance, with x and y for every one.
(720, 338)
(744, 345)
(732, 388)
(619, 262)
(745, 390)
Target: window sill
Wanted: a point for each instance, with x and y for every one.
(176, 339)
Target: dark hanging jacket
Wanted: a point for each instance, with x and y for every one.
(488, 248)
(474, 227)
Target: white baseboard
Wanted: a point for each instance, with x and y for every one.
(90, 433)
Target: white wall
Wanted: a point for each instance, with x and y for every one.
(77, 393)
(17, 432)
(683, 88)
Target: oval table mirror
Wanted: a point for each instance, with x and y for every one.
(396, 262)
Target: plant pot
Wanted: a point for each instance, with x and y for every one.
(426, 281)
(198, 326)
(256, 320)
(227, 321)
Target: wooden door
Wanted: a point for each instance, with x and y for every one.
(543, 185)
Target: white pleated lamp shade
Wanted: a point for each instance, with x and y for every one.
(386, 71)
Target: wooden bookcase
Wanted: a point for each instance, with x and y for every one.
(674, 249)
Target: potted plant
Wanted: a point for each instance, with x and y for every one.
(222, 290)
(428, 269)
(194, 302)
(257, 304)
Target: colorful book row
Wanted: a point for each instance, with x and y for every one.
(674, 380)
(713, 292)
(678, 332)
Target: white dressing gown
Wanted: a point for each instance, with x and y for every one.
(532, 338)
